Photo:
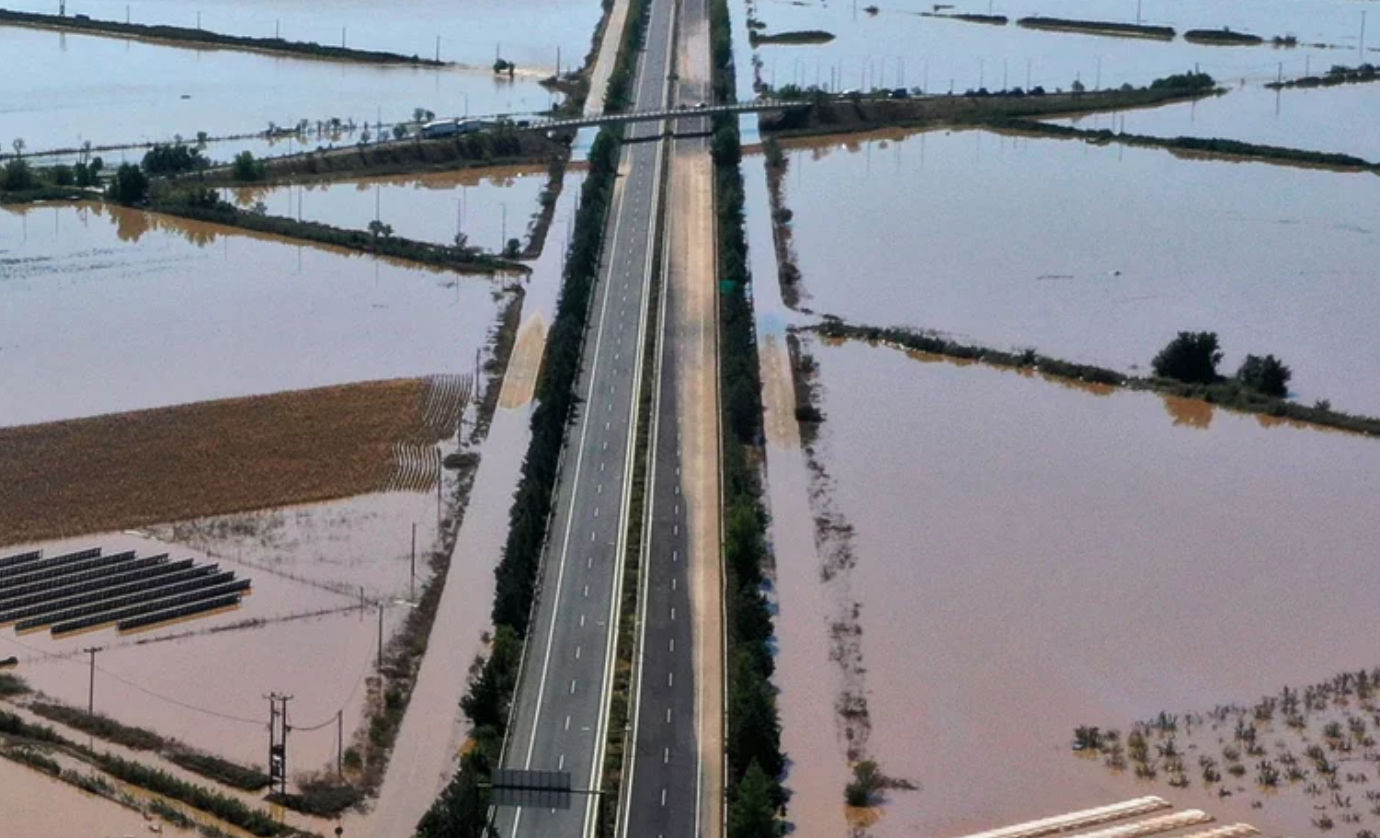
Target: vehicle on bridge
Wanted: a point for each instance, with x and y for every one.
(450, 128)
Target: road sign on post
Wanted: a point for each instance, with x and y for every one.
(544, 789)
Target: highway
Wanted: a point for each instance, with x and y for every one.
(563, 696)
(675, 784)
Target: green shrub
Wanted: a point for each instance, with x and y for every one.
(1266, 375)
(130, 186)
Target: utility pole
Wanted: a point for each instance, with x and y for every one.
(379, 659)
(438, 49)
(278, 729)
(91, 681)
(340, 744)
(412, 586)
(342, 37)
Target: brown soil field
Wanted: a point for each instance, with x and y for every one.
(130, 469)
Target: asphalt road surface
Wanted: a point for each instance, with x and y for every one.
(563, 696)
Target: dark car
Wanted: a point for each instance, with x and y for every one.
(900, 93)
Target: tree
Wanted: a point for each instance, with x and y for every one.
(512, 248)
(130, 186)
(378, 229)
(752, 815)
(867, 781)
(1266, 375)
(18, 146)
(246, 167)
(399, 131)
(62, 175)
(1191, 357)
(17, 176)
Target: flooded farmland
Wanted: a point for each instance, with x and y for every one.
(470, 32)
(489, 206)
(159, 311)
(1098, 254)
(1030, 557)
(31, 798)
(1330, 119)
(151, 93)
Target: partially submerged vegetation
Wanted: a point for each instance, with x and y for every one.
(800, 36)
(1098, 27)
(1193, 356)
(26, 738)
(1313, 746)
(1204, 146)
(824, 113)
(1336, 75)
(204, 39)
(1222, 37)
(143, 739)
(990, 20)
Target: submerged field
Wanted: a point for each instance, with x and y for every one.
(156, 311)
(1097, 254)
(131, 469)
(152, 93)
(1030, 557)
(488, 206)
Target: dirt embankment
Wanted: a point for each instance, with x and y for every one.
(843, 115)
(129, 469)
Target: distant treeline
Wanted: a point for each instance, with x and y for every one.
(1338, 74)
(1222, 37)
(462, 809)
(1202, 145)
(205, 38)
(1229, 393)
(1098, 27)
(801, 36)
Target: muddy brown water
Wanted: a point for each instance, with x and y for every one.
(108, 310)
(1095, 254)
(150, 92)
(29, 800)
(1032, 557)
(489, 207)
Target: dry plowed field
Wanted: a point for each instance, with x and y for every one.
(129, 469)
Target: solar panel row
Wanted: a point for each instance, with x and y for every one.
(114, 604)
(102, 589)
(167, 603)
(119, 573)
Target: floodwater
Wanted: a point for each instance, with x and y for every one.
(1032, 557)
(1095, 254)
(31, 798)
(898, 47)
(203, 684)
(360, 542)
(148, 92)
(470, 31)
(1333, 119)
(490, 206)
(106, 310)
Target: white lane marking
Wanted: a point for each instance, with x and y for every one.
(599, 490)
(665, 756)
(601, 466)
(673, 587)
(567, 721)
(582, 621)
(663, 797)
(577, 653)
(606, 424)
(675, 555)
(673, 613)
(560, 765)
(675, 530)
(668, 715)
(572, 686)
(591, 535)
(589, 561)
(606, 445)
(586, 590)
(670, 679)
(596, 512)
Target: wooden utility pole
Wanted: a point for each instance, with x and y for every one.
(91, 681)
(412, 585)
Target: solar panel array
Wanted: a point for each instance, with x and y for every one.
(85, 590)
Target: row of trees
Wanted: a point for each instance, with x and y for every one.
(461, 810)
(755, 760)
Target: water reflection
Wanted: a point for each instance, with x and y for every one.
(1191, 413)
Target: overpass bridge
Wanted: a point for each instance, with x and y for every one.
(635, 116)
